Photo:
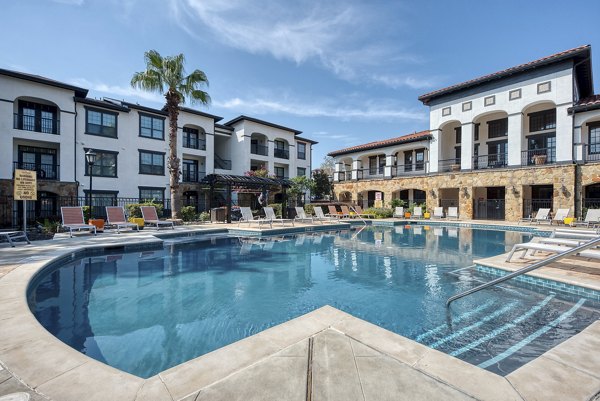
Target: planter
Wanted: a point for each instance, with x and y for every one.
(426, 215)
(569, 221)
(407, 215)
(539, 159)
(455, 167)
(137, 220)
(99, 223)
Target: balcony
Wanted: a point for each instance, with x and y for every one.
(342, 175)
(418, 168)
(37, 124)
(499, 160)
(44, 171)
(449, 165)
(282, 153)
(538, 156)
(221, 163)
(194, 144)
(257, 149)
(192, 176)
(591, 153)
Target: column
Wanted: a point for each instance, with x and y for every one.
(578, 146)
(356, 165)
(389, 166)
(564, 137)
(336, 173)
(434, 150)
(466, 160)
(515, 138)
(465, 203)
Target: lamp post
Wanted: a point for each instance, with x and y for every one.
(90, 157)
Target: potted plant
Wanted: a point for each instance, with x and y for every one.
(426, 214)
(455, 167)
(539, 159)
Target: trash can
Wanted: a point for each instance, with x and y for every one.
(218, 215)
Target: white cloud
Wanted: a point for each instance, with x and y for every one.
(118, 91)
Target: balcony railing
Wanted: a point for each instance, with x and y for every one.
(591, 203)
(44, 171)
(342, 176)
(449, 165)
(194, 144)
(37, 124)
(282, 153)
(538, 156)
(591, 153)
(221, 163)
(418, 168)
(257, 149)
(499, 160)
(192, 176)
(531, 206)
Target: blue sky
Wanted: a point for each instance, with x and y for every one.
(343, 72)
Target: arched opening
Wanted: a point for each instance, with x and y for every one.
(35, 114)
(259, 144)
(344, 170)
(490, 140)
(282, 148)
(411, 196)
(449, 148)
(194, 137)
(373, 198)
(539, 139)
(345, 197)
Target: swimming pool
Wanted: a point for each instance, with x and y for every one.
(146, 311)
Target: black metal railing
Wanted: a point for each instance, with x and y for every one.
(531, 206)
(282, 153)
(341, 176)
(282, 177)
(192, 176)
(221, 163)
(490, 209)
(538, 156)
(194, 144)
(591, 153)
(257, 149)
(449, 165)
(359, 174)
(591, 203)
(417, 168)
(373, 172)
(43, 171)
(499, 160)
(37, 124)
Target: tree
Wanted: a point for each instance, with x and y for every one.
(328, 165)
(322, 188)
(166, 75)
(300, 186)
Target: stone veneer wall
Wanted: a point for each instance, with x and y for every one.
(556, 175)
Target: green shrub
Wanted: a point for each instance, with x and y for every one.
(133, 209)
(188, 213)
(380, 213)
(309, 209)
(50, 227)
(86, 213)
(204, 216)
(276, 208)
(397, 203)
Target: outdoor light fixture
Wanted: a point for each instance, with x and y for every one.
(563, 189)
(465, 192)
(514, 190)
(432, 193)
(90, 158)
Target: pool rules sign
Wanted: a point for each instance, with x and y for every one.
(25, 189)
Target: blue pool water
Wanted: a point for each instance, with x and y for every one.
(144, 312)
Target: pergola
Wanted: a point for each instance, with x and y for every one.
(246, 182)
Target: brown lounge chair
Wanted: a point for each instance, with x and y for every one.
(332, 212)
(72, 219)
(115, 216)
(151, 218)
(359, 212)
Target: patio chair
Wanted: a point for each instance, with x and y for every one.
(417, 213)
(13, 235)
(398, 212)
(560, 216)
(346, 212)
(359, 212)
(115, 216)
(151, 217)
(248, 217)
(548, 248)
(438, 213)
(72, 219)
(301, 215)
(332, 212)
(592, 219)
(319, 215)
(452, 213)
(541, 215)
(270, 215)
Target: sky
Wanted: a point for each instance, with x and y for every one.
(343, 72)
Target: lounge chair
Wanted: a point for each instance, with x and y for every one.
(592, 219)
(301, 215)
(541, 215)
(151, 218)
(270, 215)
(438, 213)
(248, 217)
(346, 212)
(452, 213)
(332, 212)
(398, 212)
(549, 248)
(563, 241)
(319, 215)
(572, 235)
(115, 216)
(417, 213)
(359, 212)
(13, 235)
(560, 216)
(72, 219)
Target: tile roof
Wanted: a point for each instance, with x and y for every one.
(588, 103)
(509, 71)
(414, 137)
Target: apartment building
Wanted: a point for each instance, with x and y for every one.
(47, 126)
(499, 146)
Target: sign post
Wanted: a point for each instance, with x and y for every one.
(25, 189)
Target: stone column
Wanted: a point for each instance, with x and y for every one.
(465, 203)
(389, 165)
(513, 202)
(515, 138)
(466, 145)
(433, 196)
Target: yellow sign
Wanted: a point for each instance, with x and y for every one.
(378, 203)
(25, 185)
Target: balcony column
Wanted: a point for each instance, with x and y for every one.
(434, 150)
(356, 165)
(564, 141)
(578, 146)
(466, 160)
(515, 138)
(336, 173)
(389, 166)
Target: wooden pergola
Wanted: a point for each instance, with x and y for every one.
(247, 182)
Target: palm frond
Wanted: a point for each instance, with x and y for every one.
(199, 96)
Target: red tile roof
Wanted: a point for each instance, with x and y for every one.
(588, 103)
(417, 136)
(509, 71)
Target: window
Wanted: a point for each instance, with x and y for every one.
(101, 123)
(594, 138)
(301, 172)
(280, 150)
(189, 170)
(152, 127)
(446, 111)
(105, 165)
(457, 154)
(376, 164)
(514, 94)
(497, 153)
(466, 106)
(542, 120)
(489, 101)
(458, 132)
(152, 193)
(101, 199)
(544, 87)
(301, 151)
(279, 172)
(37, 117)
(41, 160)
(191, 139)
(408, 160)
(152, 162)
(498, 128)
(420, 159)
(476, 132)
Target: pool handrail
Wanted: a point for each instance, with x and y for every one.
(569, 252)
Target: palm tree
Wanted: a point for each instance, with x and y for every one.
(166, 75)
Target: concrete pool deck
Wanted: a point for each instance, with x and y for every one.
(324, 355)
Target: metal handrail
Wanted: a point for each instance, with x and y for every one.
(358, 215)
(542, 263)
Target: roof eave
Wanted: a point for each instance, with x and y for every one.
(378, 146)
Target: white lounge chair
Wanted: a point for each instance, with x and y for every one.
(115, 216)
(270, 215)
(570, 234)
(13, 235)
(398, 212)
(72, 219)
(248, 217)
(151, 218)
(541, 215)
(549, 248)
(560, 216)
(417, 213)
(592, 219)
(453, 213)
(301, 215)
(319, 215)
(438, 213)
